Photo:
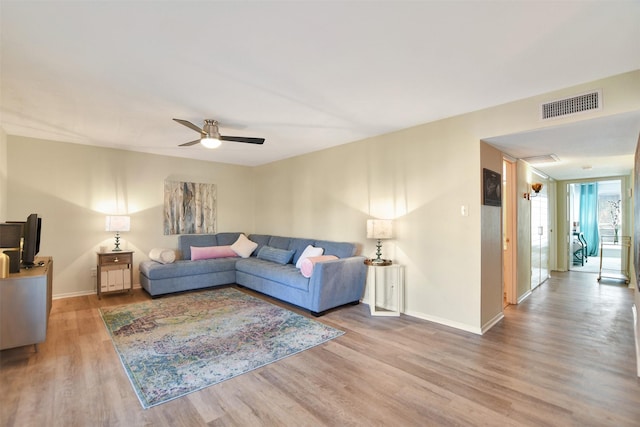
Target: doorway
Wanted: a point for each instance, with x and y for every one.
(595, 217)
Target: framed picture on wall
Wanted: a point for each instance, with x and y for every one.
(189, 208)
(491, 188)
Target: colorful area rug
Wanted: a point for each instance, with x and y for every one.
(176, 345)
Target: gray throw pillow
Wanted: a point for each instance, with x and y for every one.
(281, 256)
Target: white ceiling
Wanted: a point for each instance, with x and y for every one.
(307, 75)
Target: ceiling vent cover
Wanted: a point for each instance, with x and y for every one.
(546, 158)
(574, 105)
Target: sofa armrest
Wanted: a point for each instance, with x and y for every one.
(338, 282)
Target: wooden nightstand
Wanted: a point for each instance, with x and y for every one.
(114, 272)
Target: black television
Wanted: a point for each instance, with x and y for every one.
(31, 241)
(11, 234)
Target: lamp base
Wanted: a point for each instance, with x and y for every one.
(117, 248)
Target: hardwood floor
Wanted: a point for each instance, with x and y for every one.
(564, 357)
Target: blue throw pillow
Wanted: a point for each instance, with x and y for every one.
(281, 256)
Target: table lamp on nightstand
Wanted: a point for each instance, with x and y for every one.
(379, 229)
(118, 223)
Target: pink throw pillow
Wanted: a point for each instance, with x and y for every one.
(306, 267)
(210, 252)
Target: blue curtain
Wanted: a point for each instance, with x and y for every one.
(589, 216)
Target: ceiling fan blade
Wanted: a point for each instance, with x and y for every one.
(190, 126)
(187, 144)
(242, 139)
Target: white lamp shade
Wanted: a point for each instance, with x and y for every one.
(118, 223)
(379, 229)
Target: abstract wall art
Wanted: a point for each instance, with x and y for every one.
(189, 208)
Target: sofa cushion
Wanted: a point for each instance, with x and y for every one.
(281, 256)
(261, 240)
(185, 241)
(211, 252)
(184, 268)
(279, 242)
(227, 239)
(339, 249)
(286, 274)
(243, 246)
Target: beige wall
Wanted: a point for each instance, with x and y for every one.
(523, 230)
(491, 246)
(3, 176)
(72, 187)
(420, 176)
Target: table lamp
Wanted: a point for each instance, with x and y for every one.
(118, 223)
(379, 229)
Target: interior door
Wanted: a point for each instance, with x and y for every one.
(539, 237)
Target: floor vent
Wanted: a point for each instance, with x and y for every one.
(568, 106)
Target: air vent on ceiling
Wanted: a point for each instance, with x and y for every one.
(547, 158)
(568, 106)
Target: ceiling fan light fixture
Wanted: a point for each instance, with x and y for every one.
(210, 136)
(209, 142)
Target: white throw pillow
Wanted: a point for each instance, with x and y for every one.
(243, 246)
(309, 251)
(161, 255)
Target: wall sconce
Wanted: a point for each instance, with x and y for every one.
(118, 223)
(536, 187)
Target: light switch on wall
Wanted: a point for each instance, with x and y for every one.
(464, 210)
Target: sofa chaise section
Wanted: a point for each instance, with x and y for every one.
(185, 274)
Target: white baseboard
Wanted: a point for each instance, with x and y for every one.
(84, 293)
(445, 322)
(491, 323)
(73, 294)
(524, 297)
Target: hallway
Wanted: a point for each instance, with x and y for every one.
(574, 339)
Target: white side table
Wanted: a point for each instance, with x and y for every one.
(386, 289)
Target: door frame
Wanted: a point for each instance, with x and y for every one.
(625, 196)
(509, 232)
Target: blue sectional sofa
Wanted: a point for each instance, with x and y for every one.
(332, 283)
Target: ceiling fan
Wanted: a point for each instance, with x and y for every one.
(210, 136)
